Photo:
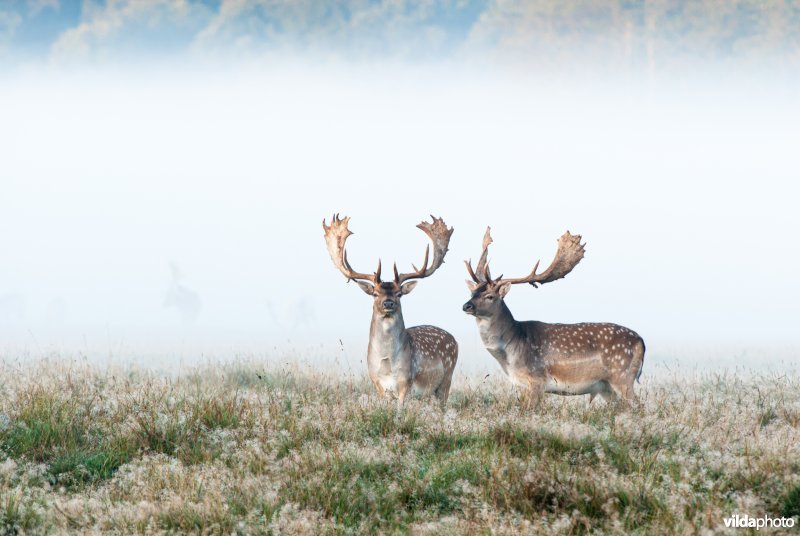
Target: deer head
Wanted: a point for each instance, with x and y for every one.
(488, 293)
(386, 294)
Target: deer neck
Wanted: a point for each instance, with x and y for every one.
(497, 331)
(387, 337)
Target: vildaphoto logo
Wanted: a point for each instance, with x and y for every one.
(758, 523)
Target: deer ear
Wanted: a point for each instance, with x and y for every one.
(471, 285)
(503, 289)
(367, 288)
(408, 287)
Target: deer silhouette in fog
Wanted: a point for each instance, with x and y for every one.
(185, 300)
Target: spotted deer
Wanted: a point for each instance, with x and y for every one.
(565, 359)
(420, 359)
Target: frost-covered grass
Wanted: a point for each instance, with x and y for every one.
(244, 448)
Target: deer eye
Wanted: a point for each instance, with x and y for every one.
(488, 297)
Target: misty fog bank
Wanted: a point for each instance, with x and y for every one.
(180, 214)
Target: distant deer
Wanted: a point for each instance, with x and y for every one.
(420, 359)
(182, 298)
(565, 359)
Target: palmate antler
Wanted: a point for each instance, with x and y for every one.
(569, 254)
(439, 234)
(336, 235)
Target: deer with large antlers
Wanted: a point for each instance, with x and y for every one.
(420, 359)
(565, 359)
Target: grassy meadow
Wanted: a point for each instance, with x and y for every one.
(244, 448)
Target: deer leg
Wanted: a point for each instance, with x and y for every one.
(402, 392)
(530, 388)
(609, 396)
(623, 387)
(443, 392)
(533, 395)
(625, 384)
(629, 394)
(379, 388)
(623, 393)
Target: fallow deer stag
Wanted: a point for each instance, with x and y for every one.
(565, 359)
(420, 359)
